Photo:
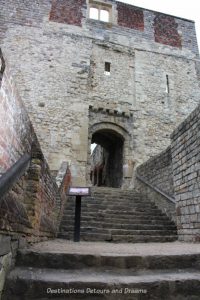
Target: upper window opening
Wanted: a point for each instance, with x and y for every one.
(94, 13)
(107, 68)
(100, 11)
(104, 15)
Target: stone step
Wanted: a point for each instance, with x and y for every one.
(93, 223)
(119, 238)
(128, 212)
(123, 232)
(95, 207)
(71, 260)
(145, 238)
(108, 202)
(114, 200)
(34, 283)
(104, 213)
(118, 194)
(148, 219)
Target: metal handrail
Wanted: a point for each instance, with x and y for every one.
(172, 199)
(8, 179)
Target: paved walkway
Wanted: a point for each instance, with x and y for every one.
(103, 248)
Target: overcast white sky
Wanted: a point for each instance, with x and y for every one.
(189, 9)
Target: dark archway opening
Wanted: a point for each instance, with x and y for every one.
(107, 159)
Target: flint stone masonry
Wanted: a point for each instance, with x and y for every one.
(59, 71)
(185, 158)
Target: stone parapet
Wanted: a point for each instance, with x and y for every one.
(158, 172)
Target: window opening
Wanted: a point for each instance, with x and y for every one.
(104, 15)
(94, 13)
(107, 68)
(100, 11)
(167, 84)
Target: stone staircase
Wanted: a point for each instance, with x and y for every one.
(83, 271)
(118, 216)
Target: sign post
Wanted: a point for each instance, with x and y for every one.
(78, 192)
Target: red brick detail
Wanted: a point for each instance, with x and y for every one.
(130, 16)
(67, 11)
(165, 31)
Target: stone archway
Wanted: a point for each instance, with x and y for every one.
(115, 142)
(110, 172)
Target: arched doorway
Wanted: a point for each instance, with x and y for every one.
(107, 158)
(112, 132)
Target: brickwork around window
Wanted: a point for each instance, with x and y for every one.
(130, 16)
(166, 31)
(67, 11)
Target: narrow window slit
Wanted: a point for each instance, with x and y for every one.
(167, 84)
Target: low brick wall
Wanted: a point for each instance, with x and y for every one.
(185, 157)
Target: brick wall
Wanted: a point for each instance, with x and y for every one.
(30, 207)
(130, 16)
(158, 172)
(16, 132)
(67, 11)
(166, 30)
(185, 158)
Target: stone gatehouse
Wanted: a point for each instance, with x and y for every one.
(100, 71)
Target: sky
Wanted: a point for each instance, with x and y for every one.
(180, 8)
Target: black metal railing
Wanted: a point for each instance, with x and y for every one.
(172, 199)
(8, 179)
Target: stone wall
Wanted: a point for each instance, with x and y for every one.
(31, 209)
(16, 132)
(185, 158)
(158, 172)
(32, 200)
(59, 70)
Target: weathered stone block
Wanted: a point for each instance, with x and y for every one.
(5, 264)
(5, 244)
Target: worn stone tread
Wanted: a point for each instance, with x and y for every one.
(71, 260)
(105, 276)
(104, 217)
